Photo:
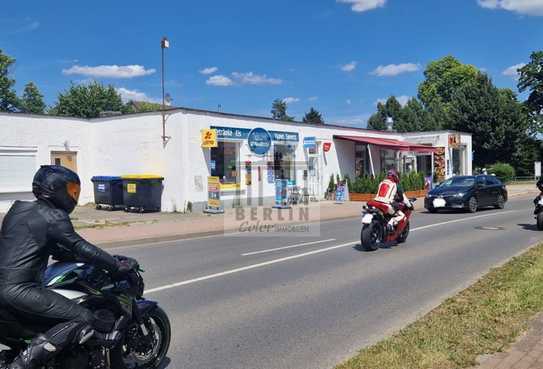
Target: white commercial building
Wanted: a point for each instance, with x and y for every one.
(246, 161)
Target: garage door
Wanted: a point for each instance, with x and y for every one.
(17, 169)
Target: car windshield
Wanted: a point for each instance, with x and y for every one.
(458, 182)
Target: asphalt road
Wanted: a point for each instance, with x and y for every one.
(316, 302)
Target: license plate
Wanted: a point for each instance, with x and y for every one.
(367, 218)
(439, 203)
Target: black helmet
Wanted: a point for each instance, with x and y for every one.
(57, 184)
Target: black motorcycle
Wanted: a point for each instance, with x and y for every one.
(142, 327)
(538, 212)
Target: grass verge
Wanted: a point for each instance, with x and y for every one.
(483, 319)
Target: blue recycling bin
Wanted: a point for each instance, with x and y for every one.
(108, 192)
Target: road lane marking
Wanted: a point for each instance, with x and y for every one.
(309, 253)
(288, 247)
(249, 267)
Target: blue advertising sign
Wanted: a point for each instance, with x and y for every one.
(259, 141)
(310, 142)
(340, 193)
(243, 133)
(281, 194)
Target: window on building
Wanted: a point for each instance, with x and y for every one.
(388, 160)
(424, 164)
(284, 164)
(361, 162)
(225, 162)
(17, 169)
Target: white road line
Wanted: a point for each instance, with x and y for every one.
(288, 247)
(314, 252)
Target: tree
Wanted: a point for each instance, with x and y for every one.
(391, 108)
(141, 107)
(32, 100)
(88, 101)
(313, 116)
(531, 79)
(413, 118)
(8, 98)
(279, 111)
(494, 117)
(443, 78)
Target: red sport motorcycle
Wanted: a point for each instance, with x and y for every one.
(375, 232)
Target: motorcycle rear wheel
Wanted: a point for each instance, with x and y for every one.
(540, 221)
(371, 236)
(403, 236)
(123, 357)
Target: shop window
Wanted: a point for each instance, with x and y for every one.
(225, 162)
(424, 164)
(388, 160)
(284, 164)
(457, 162)
(361, 161)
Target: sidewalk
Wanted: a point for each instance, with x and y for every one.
(526, 353)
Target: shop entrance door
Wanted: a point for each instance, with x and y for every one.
(314, 177)
(67, 159)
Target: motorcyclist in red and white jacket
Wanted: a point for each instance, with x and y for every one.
(391, 194)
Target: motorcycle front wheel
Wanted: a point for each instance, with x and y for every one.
(144, 347)
(371, 236)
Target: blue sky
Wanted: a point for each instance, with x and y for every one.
(340, 56)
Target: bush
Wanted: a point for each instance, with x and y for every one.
(410, 182)
(503, 171)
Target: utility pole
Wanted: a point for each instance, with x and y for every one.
(164, 44)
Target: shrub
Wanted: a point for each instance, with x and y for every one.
(503, 171)
(410, 182)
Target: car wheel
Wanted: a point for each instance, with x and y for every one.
(500, 202)
(473, 205)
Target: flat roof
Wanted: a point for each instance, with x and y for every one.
(229, 115)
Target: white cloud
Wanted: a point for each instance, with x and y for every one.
(403, 100)
(527, 7)
(290, 100)
(109, 71)
(393, 70)
(219, 81)
(364, 5)
(209, 70)
(134, 95)
(512, 71)
(349, 67)
(312, 98)
(251, 78)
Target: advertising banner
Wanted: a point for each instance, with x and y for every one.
(214, 192)
(209, 138)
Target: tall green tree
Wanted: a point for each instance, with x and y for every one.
(413, 117)
(88, 101)
(531, 79)
(391, 108)
(313, 116)
(8, 98)
(279, 111)
(443, 78)
(494, 117)
(32, 100)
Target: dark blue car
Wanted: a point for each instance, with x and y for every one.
(468, 193)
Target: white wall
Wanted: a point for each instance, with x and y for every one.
(41, 135)
(132, 144)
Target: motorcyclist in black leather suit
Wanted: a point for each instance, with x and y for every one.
(31, 233)
(540, 188)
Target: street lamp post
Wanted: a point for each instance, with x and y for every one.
(164, 44)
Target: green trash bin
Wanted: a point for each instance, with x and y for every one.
(142, 193)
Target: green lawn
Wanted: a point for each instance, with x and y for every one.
(483, 319)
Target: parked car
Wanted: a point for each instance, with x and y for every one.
(467, 192)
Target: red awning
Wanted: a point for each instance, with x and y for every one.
(389, 143)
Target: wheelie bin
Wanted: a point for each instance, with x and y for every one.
(142, 192)
(108, 192)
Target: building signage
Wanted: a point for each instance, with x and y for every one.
(209, 138)
(327, 146)
(340, 192)
(214, 192)
(310, 143)
(454, 141)
(243, 133)
(259, 141)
